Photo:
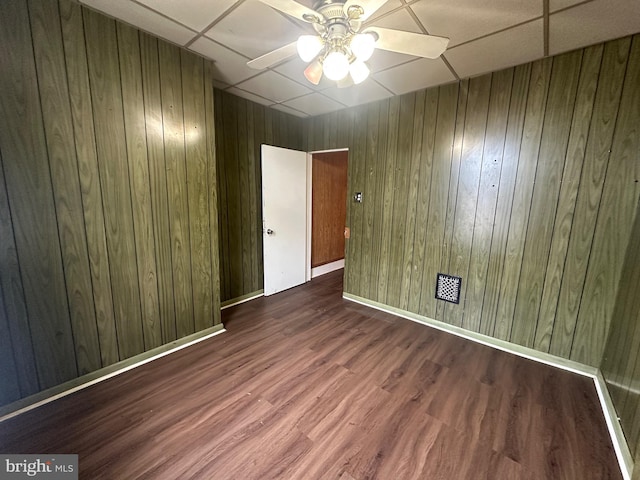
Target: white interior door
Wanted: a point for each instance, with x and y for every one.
(284, 218)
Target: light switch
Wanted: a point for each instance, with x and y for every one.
(357, 197)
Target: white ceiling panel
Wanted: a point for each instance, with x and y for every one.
(421, 73)
(486, 35)
(510, 47)
(200, 14)
(555, 5)
(254, 29)
(465, 20)
(368, 91)
(229, 67)
(249, 96)
(400, 20)
(275, 87)
(143, 18)
(592, 22)
(314, 104)
(290, 111)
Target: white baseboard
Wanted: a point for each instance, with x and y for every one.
(327, 268)
(244, 298)
(620, 446)
(80, 383)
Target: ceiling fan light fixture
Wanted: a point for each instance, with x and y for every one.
(313, 72)
(363, 45)
(336, 65)
(309, 46)
(359, 71)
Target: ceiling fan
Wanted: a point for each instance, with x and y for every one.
(341, 45)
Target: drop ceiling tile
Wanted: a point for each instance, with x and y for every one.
(254, 29)
(416, 75)
(195, 14)
(366, 92)
(510, 47)
(228, 67)
(294, 69)
(143, 18)
(386, 8)
(314, 104)
(249, 96)
(555, 5)
(220, 85)
(383, 60)
(290, 111)
(591, 23)
(465, 20)
(400, 20)
(273, 86)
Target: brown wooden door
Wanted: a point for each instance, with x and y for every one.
(329, 206)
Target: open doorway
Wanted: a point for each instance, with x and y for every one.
(328, 210)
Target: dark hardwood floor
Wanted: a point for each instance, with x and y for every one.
(306, 385)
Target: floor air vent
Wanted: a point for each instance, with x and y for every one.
(448, 288)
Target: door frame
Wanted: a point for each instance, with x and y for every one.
(309, 200)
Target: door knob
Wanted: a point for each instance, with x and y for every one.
(269, 231)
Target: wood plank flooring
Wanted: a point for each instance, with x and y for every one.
(306, 385)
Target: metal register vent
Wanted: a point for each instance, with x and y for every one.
(448, 288)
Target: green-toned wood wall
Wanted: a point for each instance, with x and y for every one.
(621, 362)
(108, 197)
(523, 182)
(241, 127)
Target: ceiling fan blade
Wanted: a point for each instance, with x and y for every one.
(293, 8)
(274, 56)
(427, 46)
(369, 6)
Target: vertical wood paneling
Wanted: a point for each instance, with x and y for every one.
(241, 127)
(529, 148)
(550, 164)
(468, 185)
(86, 271)
(134, 123)
(614, 221)
(370, 191)
(104, 74)
(568, 193)
(158, 184)
(519, 174)
(442, 171)
(387, 199)
(427, 171)
(452, 193)
(30, 196)
(508, 171)
(85, 147)
(413, 178)
(212, 189)
(19, 351)
(50, 66)
(174, 148)
(500, 95)
(193, 81)
(595, 160)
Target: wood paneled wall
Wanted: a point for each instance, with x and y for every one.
(108, 197)
(523, 182)
(241, 127)
(621, 362)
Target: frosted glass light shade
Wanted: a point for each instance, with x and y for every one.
(359, 71)
(362, 46)
(313, 72)
(336, 66)
(309, 47)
